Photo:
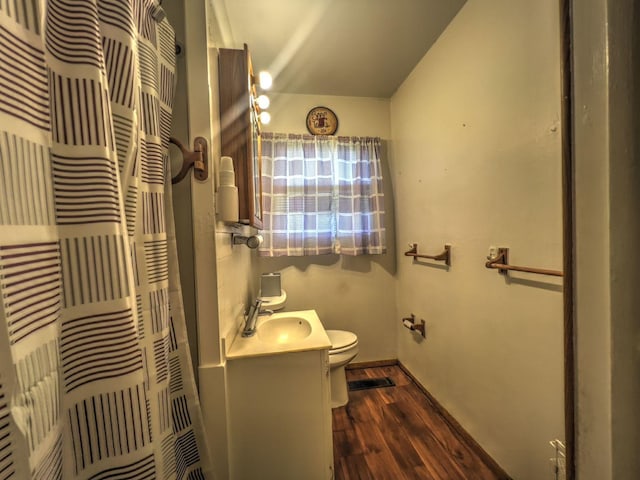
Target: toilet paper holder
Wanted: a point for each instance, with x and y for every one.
(410, 323)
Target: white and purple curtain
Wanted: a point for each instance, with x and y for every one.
(95, 376)
(322, 195)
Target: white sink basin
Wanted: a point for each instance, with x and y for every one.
(283, 330)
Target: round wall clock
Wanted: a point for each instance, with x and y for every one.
(322, 121)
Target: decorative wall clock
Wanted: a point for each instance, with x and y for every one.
(322, 121)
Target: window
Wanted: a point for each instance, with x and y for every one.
(322, 195)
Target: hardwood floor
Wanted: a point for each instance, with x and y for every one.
(395, 433)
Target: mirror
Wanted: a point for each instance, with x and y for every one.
(256, 162)
(240, 130)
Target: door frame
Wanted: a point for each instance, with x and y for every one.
(568, 232)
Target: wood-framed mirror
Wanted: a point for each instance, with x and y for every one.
(240, 130)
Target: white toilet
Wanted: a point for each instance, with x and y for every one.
(344, 348)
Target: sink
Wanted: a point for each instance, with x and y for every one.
(283, 330)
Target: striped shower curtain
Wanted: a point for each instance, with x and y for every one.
(95, 377)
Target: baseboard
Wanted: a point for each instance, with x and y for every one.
(457, 428)
(373, 364)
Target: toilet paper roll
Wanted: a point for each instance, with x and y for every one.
(408, 324)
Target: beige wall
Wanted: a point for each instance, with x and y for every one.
(349, 293)
(357, 116)
(476, 163)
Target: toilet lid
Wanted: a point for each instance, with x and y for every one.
(341, 338)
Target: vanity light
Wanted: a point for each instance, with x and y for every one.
(265, 80)
(263, 102)
(265, 118)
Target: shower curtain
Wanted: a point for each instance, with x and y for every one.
(95, 376)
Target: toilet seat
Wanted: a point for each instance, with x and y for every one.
(341, 341)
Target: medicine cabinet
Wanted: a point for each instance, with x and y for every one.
(240, 130)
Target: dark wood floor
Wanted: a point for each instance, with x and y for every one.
(394, 433)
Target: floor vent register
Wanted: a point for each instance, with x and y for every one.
(370, 383)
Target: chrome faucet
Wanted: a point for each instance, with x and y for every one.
(252, 318)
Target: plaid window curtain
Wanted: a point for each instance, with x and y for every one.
(322, 195)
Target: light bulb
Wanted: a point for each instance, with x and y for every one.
(265, 80)
(265, 118)
(263, 102)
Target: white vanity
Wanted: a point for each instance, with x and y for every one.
(279, 400)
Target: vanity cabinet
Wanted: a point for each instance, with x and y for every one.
(240, 130)
(280, 417)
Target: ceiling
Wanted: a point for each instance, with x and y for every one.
(362, 48)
